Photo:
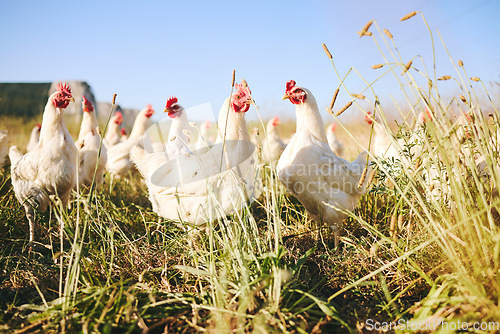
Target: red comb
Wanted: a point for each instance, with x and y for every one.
(119, 114)
(38, 125)
(63, 87)
(289, 85)
(171, 101)
(242, 89)
(333, 127)
(123, 132)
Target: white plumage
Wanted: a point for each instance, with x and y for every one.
(113, 134)
(325, 184)
(197, 188)
(119, 163)
(273, 146)
(34, 138)
(333, 141)
(4, 145)
(50, 168)
(88, 143)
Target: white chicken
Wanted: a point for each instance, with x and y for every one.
(382, 145)
(4, 145)
(119, 163)
(273, 146)
(34, 138)
(178, 135)
(50, 168)
(333, 141)
(113, 135)
(202, 187)
(88, 143)
(325, 184)
(203, 140)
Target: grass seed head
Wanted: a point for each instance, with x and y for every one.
(234, 75)
(388, 33)
(372, 176)
(408, 16)
(400, 221)
(460, 63)
(407, 67)
(358, 96)
(114, 99)
(463, 98)
(363, 177)
(344, 108)
(476, 79)
(334, 98)
(327, 51)
(392, 226)
(445, 77)
(376, 66)
(367, 26)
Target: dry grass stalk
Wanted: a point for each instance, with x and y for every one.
(363, 177)
(408, 16)
(460, 63)
(445, 77)
(344, 108)
(476, 79)
(334, 98)
(376, 66)
(464, 100)
(327, 51)
(388, 33)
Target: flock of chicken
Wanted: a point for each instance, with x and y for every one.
(191, 182)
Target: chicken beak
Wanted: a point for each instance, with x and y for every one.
(286, 97)
(72, 99)
(165, 110)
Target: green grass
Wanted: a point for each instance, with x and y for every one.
(404, 255)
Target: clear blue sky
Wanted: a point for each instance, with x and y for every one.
(146, 51)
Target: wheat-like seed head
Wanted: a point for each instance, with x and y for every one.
(363, 177)
(464, 100)
(476, 79)
(372, 176)
(445, 77)
(358, 96)
(400, 221)
(327, 52)
(367, 26)
(334, 98)
(114, 99)
(344, 108)
(407, 66)
(408, 16)
(460, 63)
(234, 75)
(376, 66)
(388, 33)
(392, 226)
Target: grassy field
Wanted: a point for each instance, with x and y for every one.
(422, 248)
